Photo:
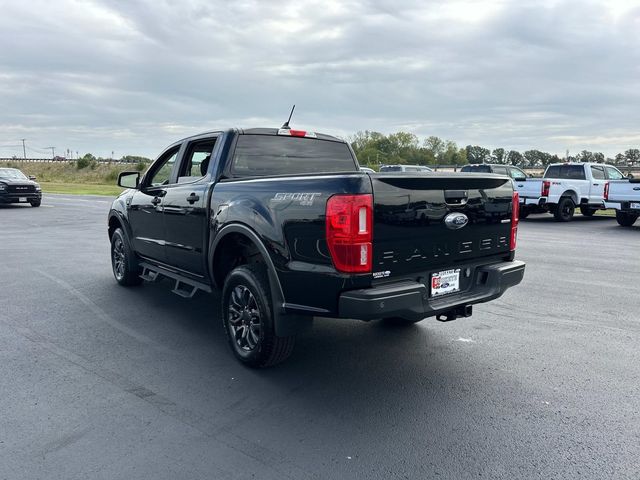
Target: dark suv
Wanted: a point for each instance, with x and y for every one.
(16, 187)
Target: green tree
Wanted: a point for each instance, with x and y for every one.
(498, 155)
(513, 157)
(477, 154)
(585, 156)
(632, 156)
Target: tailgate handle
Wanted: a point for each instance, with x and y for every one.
(457, 197)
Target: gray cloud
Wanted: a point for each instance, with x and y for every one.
(132, 76)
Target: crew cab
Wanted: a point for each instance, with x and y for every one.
(565, 186)
(624, 197)
(16, 187)
(286, 224)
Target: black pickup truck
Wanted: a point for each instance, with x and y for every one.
(286, 224)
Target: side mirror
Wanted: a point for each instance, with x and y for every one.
(630, 176)
(129, 179)
(32, 177)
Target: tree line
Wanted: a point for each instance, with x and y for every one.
(374, 148)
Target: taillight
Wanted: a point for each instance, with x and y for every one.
(546, 185)
(349, 227)
(606, 191)
(515, 218)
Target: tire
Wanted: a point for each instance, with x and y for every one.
(123, 262)
(35, 203)
(565, 210)
(587, 211)
(524, 213)
(626, 219)
(247, 317)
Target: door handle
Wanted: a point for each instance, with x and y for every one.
(155, 200)
(596, 184)
(193, 198)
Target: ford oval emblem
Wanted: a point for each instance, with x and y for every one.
(456, 220)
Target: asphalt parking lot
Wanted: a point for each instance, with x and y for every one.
(100, 381)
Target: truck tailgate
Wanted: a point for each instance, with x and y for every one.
(529, 188)
(410, 234)
(624, 191)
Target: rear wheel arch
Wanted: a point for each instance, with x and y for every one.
(573, 195)
(252, 250)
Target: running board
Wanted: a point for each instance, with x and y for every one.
(184, 286)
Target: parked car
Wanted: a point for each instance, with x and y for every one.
(514, 172)
(405, 168)
(367, 170)
(286, 224)
(624, 197)
(565, 186)
(16, 187)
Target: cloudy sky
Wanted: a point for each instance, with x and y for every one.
(131, 76)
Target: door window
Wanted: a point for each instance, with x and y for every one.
(161, 172)
(195, 163)
(516, 173)
(597, 172)
(614, 173)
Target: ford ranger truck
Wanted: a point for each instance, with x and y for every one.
(624, 197)
(565, 187)
(288, 227)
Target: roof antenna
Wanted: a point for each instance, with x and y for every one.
(286, 124)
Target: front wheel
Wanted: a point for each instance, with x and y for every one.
(564, 210)
(626, 219)
(35, 203)
(587, 211)
(123, 262)
(247, 315)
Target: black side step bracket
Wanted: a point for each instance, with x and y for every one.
(149, 275)
(184, 286)
(186, 293)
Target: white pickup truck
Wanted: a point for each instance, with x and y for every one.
(624, 196)
(565, 186)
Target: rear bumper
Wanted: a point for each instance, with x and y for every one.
(533, 201)
(16, 198)
(410, 299)
(622, 206)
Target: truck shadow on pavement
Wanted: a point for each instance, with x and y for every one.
(346, 383)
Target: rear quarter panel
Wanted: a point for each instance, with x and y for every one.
(288, 215)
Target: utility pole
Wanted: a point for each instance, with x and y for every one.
(53, 152)
(24, 149)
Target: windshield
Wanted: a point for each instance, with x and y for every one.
(12, 174)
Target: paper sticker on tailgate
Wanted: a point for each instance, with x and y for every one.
(445, 282)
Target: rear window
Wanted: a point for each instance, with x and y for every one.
(476, 168)
(569, 172)
(261, 155)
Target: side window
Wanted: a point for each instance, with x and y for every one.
(516, 173)
(411, 169)
(500, 170)
(614, 173)
(195, 162)
(161, 172)
(597, 172)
